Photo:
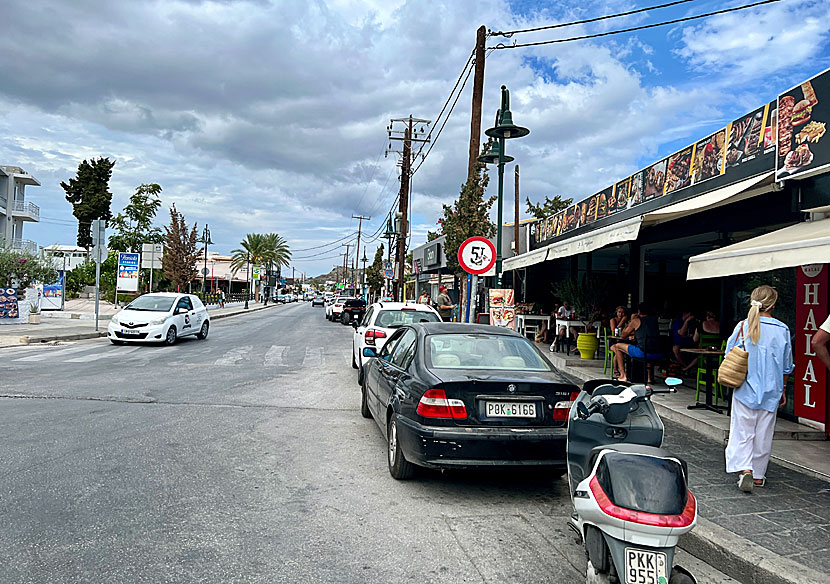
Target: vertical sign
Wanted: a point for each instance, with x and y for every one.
(502, 307)
(53, 293)
(127, 272)
(810, 373)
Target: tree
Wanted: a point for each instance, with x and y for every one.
(548, 207)
(374, 273)
(277, 252)
(134, 225)
(180, 251)
(468, 216)
(89, 195)
(20, 269)
(433, 235)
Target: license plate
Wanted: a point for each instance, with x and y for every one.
(129, 332)
(510, 409)
(645, 567)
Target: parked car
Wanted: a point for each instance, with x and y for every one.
(334, 309)
(380, 321)
(353, 310)
(318, 300)
(160, 317)
(281, 298)
(453, 395)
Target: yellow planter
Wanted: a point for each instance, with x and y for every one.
(587, 343)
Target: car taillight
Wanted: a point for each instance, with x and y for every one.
(434, 404)
(561, 408)
(685, 519)
(373, 334)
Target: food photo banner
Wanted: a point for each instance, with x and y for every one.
(803, 112)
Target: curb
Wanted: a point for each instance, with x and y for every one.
(743, 560)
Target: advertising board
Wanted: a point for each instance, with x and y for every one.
(127, 280)
(803, 113)
(810, 375)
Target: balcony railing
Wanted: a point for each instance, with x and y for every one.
(26, 209)
(24, 244)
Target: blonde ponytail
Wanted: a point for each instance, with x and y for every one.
(762, 299)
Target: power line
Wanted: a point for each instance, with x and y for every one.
(634, 28)
(510, 33)
(326, 244)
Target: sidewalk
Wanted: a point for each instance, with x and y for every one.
(72, 326)
(779, 533)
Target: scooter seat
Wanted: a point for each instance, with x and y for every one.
(637, 449)
(608, 387)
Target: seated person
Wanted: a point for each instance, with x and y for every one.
(710, 324)
(619, 320)
(565, 312)
(683, 332)
(644, 328)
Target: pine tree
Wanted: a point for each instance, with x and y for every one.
(89, 195)
(180, 251)
(374, 273)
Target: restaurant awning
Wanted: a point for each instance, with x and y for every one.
(797, 245)
(723, 196)
(526, 259)
(618, 233)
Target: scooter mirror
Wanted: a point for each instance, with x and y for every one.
(582, 410)
(673, 381)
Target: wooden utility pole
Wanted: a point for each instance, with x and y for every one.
(345, 266)
(359, 229)
(403, 208)
(478, 92)
(516, 224)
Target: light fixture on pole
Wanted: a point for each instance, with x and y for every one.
(504, 129)
(247, 278)
(206, 242)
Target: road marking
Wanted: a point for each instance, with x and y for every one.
(106, 353)
(52, 355)
(275, 357)
(313, 357)
(234, 356)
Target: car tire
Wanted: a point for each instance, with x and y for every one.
(354, 363)
(364, 403)
(203, 332)
(170, 337)
(399, 467)
(361, 375)
(116, 342)
(680, 578)
(345, 317)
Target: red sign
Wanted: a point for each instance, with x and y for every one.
(477, 255)
(813, 287)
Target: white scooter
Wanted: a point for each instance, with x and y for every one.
(630, 497)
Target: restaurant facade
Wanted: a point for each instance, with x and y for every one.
(746, 205)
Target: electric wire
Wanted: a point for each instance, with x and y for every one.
(634, 28)
(510, 33)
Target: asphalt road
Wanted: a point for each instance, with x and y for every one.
(244, 458)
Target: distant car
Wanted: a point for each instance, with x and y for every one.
(453, 395)
(318, 301)
(160, 317)
(353, 310)
(281, 298)
(381, 320)
(334, 309)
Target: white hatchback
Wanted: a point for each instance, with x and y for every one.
(380, 321)
(160, 317)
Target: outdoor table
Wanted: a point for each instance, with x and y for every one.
(709, 355)
(522, 319)
(568, 323)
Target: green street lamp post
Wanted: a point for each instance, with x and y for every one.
(206, 242)
(247, 278)
(504, 129)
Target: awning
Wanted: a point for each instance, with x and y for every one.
(797, 245)
(526, 259)
(733, 193)
(593, 240)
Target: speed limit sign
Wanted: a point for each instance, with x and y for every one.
(477, 255)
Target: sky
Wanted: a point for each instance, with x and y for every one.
(271, 116)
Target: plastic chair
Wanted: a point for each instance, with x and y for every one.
(609, 354)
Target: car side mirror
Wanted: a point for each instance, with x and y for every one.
(369, 352)
(181, 310)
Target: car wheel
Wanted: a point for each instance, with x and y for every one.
(399, 467)
(364, 403)
(116, 342)
(170, 338)
(361, 376)
(203, 332)
(354, 363)
(345, 318)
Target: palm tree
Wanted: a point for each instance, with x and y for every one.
(278, 253)
(271, 250)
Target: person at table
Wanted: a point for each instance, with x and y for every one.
(647, 334)
(710, 324)
(683, 332)
(755, 402)
(619, 320)
(565, 312)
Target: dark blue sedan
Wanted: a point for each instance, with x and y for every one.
(451, 395)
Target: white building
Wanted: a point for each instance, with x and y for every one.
(14, 209)
(67, 257)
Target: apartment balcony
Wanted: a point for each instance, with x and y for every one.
(24, 244)
(26, 211)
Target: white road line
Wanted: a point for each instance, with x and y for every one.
(275, 357)
(234, 356)
(313, 357)
(106, 353)
(47, 355)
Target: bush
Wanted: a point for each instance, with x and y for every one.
(20, 269)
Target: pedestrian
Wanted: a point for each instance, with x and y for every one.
(221, 298)
(820, 341)
(444, 304)
(755, 402)
(424, 298)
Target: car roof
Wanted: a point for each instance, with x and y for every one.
(401, 305)
(443, 328)
(165, 294)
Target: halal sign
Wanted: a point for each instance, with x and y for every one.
(477, 255)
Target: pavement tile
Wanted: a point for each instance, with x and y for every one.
(816, 559)
(794, 542)
(746, 525)
(787, 519)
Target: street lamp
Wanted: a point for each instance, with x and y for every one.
(504, 129)
(247, 278)
(206, 242)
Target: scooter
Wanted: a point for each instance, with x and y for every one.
(631, 499)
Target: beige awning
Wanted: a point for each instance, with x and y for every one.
(797, 245)
(621, 232)
(526, 259)
(733, 193)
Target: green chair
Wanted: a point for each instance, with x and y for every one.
(609, 355)
(708, 340)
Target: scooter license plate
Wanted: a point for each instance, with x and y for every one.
(645, 567)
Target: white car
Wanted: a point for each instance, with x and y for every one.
(335, 307)
(380, 321)
(160, 317)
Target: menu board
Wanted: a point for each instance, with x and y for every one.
(8, 303)
(502, 307)
(710, 157)
(803, 112)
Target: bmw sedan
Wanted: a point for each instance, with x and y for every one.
(452, 395)
(160, 317)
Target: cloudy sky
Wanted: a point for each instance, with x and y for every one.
(268, 115)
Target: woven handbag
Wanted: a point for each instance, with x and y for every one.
(732, 372)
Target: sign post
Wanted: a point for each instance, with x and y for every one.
(99, 238)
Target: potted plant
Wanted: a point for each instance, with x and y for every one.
(586, 295)
(34, 313)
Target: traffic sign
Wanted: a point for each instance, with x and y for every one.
(389, 270)
(205, 271)
(151, 254)
(477, 255)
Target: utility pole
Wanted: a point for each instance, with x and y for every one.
(345, 264)
(359, 229)
(363, 276)
(516, 224)
(478, 92)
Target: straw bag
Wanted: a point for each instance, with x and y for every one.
(732, 372)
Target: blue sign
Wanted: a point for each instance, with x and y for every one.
(128, 259)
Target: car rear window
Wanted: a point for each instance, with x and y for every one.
(351, 303)
(483, 351)
(398, 318)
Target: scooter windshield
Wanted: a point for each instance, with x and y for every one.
(643, 483)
